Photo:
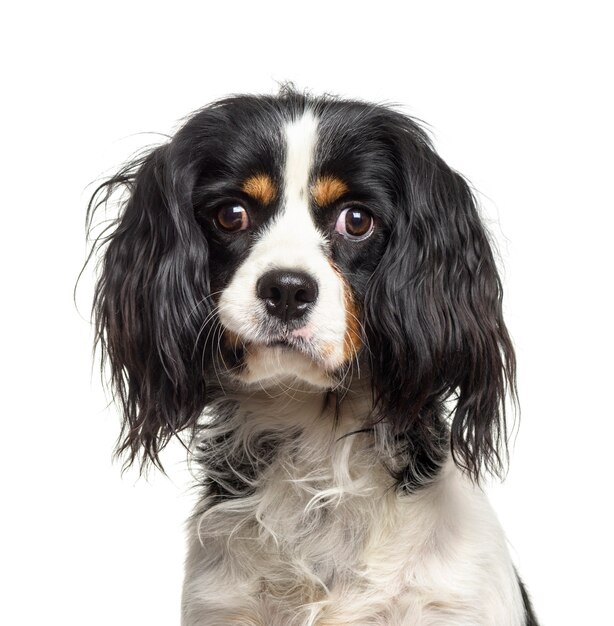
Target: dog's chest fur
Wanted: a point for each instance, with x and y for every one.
(303, 525)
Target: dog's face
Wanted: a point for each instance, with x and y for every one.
(290, 237)
(294, 234)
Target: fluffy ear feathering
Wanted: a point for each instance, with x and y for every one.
(151, 298)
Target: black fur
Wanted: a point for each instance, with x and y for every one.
(150, 301)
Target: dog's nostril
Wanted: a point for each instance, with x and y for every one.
(274, 294)
(287, 294)
(302, 296)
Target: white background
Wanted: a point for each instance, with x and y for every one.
(518, 98)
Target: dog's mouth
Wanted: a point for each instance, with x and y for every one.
(276, 358)
(269, 353)
(290, 342)
(287, 340)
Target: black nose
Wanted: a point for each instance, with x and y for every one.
(287, 295)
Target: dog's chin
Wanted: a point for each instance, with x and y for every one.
(282, 364)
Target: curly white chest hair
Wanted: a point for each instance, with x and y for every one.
(311, 529)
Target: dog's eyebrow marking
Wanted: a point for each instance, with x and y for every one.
(260, 187)
(327, 189)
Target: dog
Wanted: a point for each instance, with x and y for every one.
(303, 289)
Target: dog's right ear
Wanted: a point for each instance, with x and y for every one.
(434, 315)
(152, 301)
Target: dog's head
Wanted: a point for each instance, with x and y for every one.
(293, 238)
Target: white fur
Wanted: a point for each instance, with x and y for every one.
(326, 540)
(291, 242)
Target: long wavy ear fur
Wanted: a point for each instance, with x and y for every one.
(434, 316)
(150, 302)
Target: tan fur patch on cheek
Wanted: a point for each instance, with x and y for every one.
(352, 342)
(260, 187)
(327, 189)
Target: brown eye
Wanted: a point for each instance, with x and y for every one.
(232, 218)
(354, 223)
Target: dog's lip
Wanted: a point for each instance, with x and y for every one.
(286, 341)
(299, 340)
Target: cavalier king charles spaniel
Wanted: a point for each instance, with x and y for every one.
(302, 288)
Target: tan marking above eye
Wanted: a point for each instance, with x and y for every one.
(327, 189)
(260, 187)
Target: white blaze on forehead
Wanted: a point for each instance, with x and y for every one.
(292, 240)
(293, 230)
(301, 135)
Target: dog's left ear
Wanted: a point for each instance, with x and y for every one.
(433, 313)
(152, 300)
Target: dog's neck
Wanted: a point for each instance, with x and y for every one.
(246, 431)
(291, 402)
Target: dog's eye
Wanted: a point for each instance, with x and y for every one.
(354, 223)
(232, 218)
